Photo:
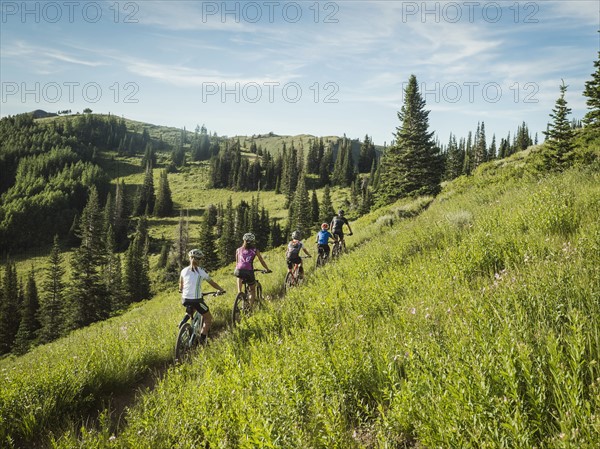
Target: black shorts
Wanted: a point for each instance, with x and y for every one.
(339, 233)
(324, 248)
(293, 260)
(246, 275)
(195, 304)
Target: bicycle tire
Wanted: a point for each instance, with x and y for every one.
(259, 292)
(320, 261)
(239, 309)
(335, 251)
(182, 346)
(289, 281)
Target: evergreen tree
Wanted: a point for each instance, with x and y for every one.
(314, 207)
(559, 138)
(137, 271)
(88, 295)
(412, 166)
(50, 314)
(326, 211)
(177, 258)
(119, 219)
(302, 210)
(113, 273)
(325, 167)
(9, 308)
(29, 324)
(455, 159)
(227, 242)
(275, 235)
(164, 204)
(492, 152)
(366, 155)
(146, 197)
(480, 152)
(207, 246)
(592, 92)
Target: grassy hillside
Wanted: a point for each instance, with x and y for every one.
(473, 322)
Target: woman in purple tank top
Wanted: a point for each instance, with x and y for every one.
(244, 268)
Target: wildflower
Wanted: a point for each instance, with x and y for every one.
(413, 311)
(112, 438)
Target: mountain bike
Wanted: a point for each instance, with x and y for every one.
(188, 337)
(293, 278)
(339, 247)
(241, 305)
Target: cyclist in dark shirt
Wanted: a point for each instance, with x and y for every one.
(337, 226)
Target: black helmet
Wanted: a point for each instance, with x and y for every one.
(296, 235)
(341, 212)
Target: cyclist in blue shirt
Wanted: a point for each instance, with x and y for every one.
(323, 237)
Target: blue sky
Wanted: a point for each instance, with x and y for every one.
(321, 68)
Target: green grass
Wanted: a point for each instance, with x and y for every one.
(470, 320)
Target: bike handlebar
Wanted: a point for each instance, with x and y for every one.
(215, 293)
(263, 271)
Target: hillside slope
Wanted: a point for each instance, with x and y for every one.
(471, 324)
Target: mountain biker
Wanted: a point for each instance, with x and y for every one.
(244, 268)
(292, 254)
(323, 237)
(337, 226)
(190, 287)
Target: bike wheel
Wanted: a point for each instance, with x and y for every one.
(320, 261)
(335, 251)
(182, 346)
(240, 309)
(259, 293)
(289, 281)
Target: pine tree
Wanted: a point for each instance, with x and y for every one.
(146, 197)
(227, 243)
(592, 92)
(137, 274)
(455, 159)
(560, 135)
(119, 219)
(314, 207)
(480, 153)
(88, 294)
(326, 211)
(29, 324)
(164, 204)
(366, 155)
(207, 246)
(302, 210)
(50, 314)
(113, 273)
(412, 166)
(9, 308)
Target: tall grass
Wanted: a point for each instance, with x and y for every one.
(470, 320)
(473, 325)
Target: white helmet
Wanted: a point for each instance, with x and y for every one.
(249, 237)
(196, 254)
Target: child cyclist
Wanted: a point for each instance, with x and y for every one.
(244, 268)
(292, 254)
(323, 237)
(190, 287)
